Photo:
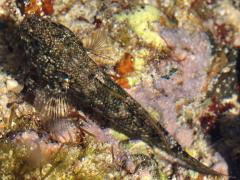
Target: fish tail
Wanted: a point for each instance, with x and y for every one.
(169, 145)
(189, 162)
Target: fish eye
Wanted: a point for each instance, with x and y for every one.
(63, 79)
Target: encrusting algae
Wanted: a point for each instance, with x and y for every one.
(141, 20)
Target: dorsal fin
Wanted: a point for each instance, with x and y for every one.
(99, 48)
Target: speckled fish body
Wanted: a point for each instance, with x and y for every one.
(59, 63)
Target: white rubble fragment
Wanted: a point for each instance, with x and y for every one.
(12, 85)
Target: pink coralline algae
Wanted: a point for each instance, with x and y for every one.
(121, 158)
(97, 132)
(181, 77)
(40, 150)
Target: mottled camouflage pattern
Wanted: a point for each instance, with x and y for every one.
(227, 82)
(59, 64)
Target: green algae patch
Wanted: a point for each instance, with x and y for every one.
(119, 136)
(141, 20)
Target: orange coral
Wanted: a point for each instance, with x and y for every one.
(47, 7)
(123, 82)
(123, 68)
(33, 7)
(38, 7)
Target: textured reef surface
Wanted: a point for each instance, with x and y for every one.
(179, 59)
